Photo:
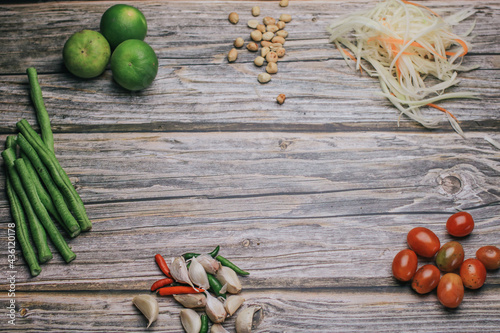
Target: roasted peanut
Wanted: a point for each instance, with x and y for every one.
(280, 52)
(261, 28)
(252, 46)
(275, 46)
(259, 61)
(232, 55)
(284, 3)
(272, 68)
(272, 28)
(268, 20)
(266, 43)
(256, 35)
(252, 24)
(238, 42)
(282, 33)
(264, 77)
(267, 36)
(233, 17)
(285, 18)
(256, 11)
(272, 57)
(281, 25)
(281, 98)
(264, 51)
(278, 39)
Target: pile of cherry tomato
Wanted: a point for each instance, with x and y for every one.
(449, 258)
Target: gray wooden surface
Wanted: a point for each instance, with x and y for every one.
(314, 197)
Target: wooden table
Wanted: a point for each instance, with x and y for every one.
(314, 197)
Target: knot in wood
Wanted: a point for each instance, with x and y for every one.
(451, 184)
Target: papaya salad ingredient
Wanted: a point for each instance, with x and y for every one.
(412, 50)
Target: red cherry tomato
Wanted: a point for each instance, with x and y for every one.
(404, 265)
(489, 256)
(460, 224)
(423, 241)
(450, 256)
(450, 290)
(473, 273)
(426, 279)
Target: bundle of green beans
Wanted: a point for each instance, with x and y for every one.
(39, 190)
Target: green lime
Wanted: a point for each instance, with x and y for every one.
(86, 54)
(134, 64)
(122, 22)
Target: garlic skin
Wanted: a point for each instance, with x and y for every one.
(191, 301)
(232, 304)
(179, 271)
(227, 276)
(217, 328)
(215, 309)
(148, 305)
(244, 319)
(198, 275)
(210, 264)
(191, 321)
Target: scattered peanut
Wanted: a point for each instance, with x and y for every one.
(281, 25)
(281, 52)
(256, 35)
(232, 55)
(259, 61)
(264, 77)
(282, 33)
(261, 28)
(268, 20)
(284, 3)
(275, 46)
(272, 57)
(278, 39)
(272, 68)
(267, 36)
(238, 42)
(272, 28)
(256, 11)
(264, 51)
(285, 18)
(252, 46)
(234, 18)
(266, 43)
(281, 98)
(252, 24)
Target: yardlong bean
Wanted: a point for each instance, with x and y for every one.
(41, 111)
(41, 212)
(58, 175)
(55, 194)
(37, 231)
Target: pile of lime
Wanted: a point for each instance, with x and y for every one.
(133, 62)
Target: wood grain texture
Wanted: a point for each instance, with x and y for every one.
(314, 197)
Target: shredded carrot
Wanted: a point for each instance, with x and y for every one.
(442, 109)
(464, 46)
(347, 53)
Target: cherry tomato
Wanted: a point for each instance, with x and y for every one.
(473, 273)
(489, 256)
(423, 241)
(404, 265)
(426, 279)
(450, 256)
(460, 224)
(450, 290)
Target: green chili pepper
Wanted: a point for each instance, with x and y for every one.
(37, 232)
(41, 212)
(227, 263)
(204, 323)
(57, 197)
(215, 285)
(190, 255)
(41, 112)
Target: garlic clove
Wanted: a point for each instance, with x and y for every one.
(227, 276)
(245, 319)
(233, 303)
(179, 271)
(191, 321)
(148, 305)
(210, 264)
(191, 300)
(215, 309)
(217, 328)
(198, 275)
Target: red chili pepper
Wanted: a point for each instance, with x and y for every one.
(161, 283)
(175, 290)
(163, 265)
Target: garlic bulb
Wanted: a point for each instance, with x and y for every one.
(227, 276)
(233, 303)
(179, 271)
(148, 305)
(198, 275)
(190, 320)
(215, 309)
(191, 300)
(244, 320)
(210, 264)
(217, 328)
